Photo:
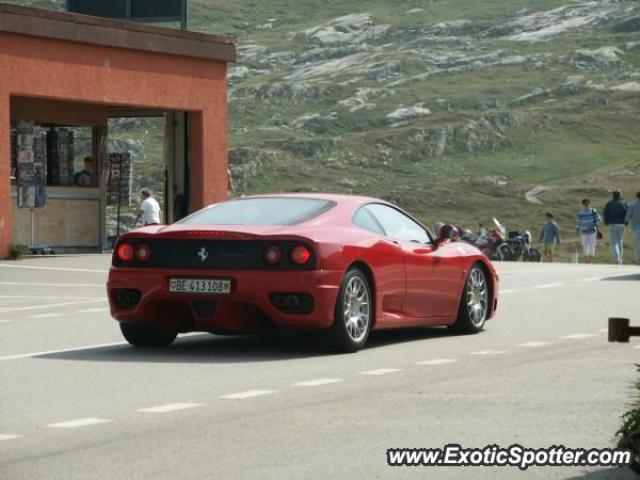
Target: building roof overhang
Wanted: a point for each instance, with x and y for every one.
(74, 27)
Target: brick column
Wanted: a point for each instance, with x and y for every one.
(208, 156)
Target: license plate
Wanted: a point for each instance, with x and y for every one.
(200, 285)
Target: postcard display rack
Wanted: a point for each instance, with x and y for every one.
(31, 166)
(30, 150)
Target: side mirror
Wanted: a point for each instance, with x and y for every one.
(447, 232)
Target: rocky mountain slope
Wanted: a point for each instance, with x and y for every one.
(457, 110)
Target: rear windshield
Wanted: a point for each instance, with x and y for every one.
(260, 211)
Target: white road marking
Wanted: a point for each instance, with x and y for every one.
(93, 310)
(533, 344)
(5, 321)
(317, 382)
(489, 352)
(49, 297)
(171, 407)
(503, 292)
(4, 436)
(64, 350)
(637, 346)
(590, 279)
(49, 305)
(604, 330)
(32, 284)
(45, 315)
(80, 422)
(549, 285)
(59, 269)
(247, 394)
(80, 349)
(380, 371)
(438, 361)
(576, 336)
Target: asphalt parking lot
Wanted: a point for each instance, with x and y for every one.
(78, 402)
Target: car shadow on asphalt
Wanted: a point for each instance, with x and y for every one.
(631, 276)
(614, 473)
(207, 348)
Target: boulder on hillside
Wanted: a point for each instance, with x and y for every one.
(602, 56)
(250, 52)
(403, 114)
(352, 28)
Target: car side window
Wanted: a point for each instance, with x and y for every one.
(398, 225)
(365, 219)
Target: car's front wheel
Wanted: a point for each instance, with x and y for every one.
(353, 313)
(474, 304)
(147, 337)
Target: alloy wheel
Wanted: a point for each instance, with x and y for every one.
(357, 308)
(477, 297)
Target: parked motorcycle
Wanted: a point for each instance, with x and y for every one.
(520, 245)
(492, 243)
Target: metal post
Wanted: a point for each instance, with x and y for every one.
(33, 228)
(183, 14)
(119, 198)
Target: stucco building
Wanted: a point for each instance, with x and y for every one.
(60, 71)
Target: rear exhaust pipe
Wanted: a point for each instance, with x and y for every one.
(292, 301)
(289, 302)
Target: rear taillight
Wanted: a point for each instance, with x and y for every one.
(143, 252)
(272, 254)
(125, 252)
(300, 255)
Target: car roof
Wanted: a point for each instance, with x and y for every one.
(340, 198)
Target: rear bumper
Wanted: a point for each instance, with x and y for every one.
(248, 308)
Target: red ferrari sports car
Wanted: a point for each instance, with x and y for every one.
(339, 264)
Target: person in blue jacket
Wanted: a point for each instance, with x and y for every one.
(587, 227)
(615, 212)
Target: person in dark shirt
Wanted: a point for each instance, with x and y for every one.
(615, 212)
(633, 218)
(84, 178)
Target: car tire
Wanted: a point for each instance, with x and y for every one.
(146, 337)
(353, 315)
(475, 302)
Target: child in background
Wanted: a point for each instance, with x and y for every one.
(550, 236)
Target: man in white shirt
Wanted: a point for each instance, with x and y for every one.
(149, 213)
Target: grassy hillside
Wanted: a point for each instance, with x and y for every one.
(457, 110)
(507, 96)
